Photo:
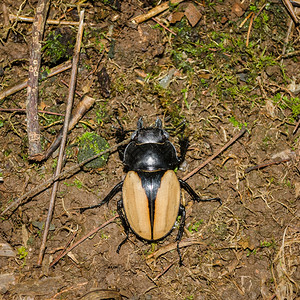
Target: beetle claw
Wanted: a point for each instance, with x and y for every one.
(179, 254)
(121, 244)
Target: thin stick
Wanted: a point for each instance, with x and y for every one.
(242, 131)
(296, 127)
(65, 131)
(286, 40)
(60, 256)
(23, 84)
(23, 110)
(41, 187)
(245, 20)
(173, 246)
(163, 26)
(291, 11)
(33, 128)
(155, 11)
(49, 21)
(82, 107)
(266, 164)
(67, 85)
(164, 271)
(249, 29)
(6, 28)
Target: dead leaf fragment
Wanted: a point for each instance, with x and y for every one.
(237, 9)
(270, 107)
(6, 250)
(102, 294)
(175, 17)
(224, 20)
(192, 14)
(285, 154)
(245, 243)
(5, 281)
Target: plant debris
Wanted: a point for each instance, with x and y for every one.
(216, 73)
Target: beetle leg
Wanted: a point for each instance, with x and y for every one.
(117, 188)
(193, 194)
(180, 231)
(124, 223)
(184, 144)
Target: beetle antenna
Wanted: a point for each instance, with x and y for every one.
(158, 123)
(140, 123)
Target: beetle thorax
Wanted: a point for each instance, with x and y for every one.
(150, 135)
(150, 150)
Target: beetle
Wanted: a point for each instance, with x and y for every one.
(151, 191)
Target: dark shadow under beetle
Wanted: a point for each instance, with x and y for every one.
(151, 201)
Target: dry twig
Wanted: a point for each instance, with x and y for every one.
(33, 128)
(155, 11)
(242, 131)
(266, 164)
(60, 256)
(286, 40)
(13, 17)
(65, 131)
(173, 246)
(41, 187)
(83, 106)
(245, 20)
(249, 29)
(23, 83)
(288, 5)
(22, 110)
(163, 271)
(296, 127)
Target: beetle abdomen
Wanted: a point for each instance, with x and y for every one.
(151, 202)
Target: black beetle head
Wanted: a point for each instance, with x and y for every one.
(149, 134)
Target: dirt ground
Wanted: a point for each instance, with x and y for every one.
(204, 67)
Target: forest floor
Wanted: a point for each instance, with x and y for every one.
(216, 66)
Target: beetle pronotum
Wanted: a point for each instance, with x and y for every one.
(151, 191)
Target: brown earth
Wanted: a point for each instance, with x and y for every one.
(248, 248)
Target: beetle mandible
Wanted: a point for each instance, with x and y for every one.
(151, 191)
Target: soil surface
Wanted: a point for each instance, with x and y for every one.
(201, 66)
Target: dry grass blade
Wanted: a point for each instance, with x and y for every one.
(286, 263)
(13, 17)
(270, 163)
(291, 11)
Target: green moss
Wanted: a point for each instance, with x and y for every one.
(59, 45)
(91, 144)
(195, 227)
(285, 102)
(236, 123)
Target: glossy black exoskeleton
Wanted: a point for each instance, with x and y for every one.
(151, 191)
